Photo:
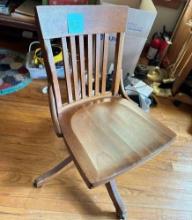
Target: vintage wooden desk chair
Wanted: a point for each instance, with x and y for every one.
(105, 132)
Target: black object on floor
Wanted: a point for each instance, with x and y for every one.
(153, 101)
(136, 99)
(141, 72)
(166, 85)
(4, 67)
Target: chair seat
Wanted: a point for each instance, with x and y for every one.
(108, 136)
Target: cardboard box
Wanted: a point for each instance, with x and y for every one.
(141, 15)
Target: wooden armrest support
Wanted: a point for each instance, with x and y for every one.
(54, 112)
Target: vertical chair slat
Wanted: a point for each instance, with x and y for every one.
(52, 73)
(67, 70)
(118, 62)
(90, 64)
(104, 66)
(82, 64)
(74, 66)
(97, 63)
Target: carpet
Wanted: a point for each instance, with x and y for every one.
(13, 74)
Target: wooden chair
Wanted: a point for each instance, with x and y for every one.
(105, 132)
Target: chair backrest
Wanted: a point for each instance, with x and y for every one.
(84, 35)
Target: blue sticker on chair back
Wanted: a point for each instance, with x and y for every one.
(75, 23)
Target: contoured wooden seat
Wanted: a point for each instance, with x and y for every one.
(108, 136)
(105, 132)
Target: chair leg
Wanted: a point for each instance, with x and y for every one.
(39, 181)
(117, 200)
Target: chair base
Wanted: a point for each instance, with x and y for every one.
(39, 181)
(117, 200)
(111, 187)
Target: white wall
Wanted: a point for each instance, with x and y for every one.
(167, 16)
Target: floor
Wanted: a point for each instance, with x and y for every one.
(159, 190)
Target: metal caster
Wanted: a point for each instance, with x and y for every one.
(37, 184)
(122, 216)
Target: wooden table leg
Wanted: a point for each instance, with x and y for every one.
(38, 182)
(117, 200)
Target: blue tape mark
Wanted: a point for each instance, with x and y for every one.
(75, 23)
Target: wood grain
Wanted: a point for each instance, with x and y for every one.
(168, 3)
(181, 33)
(104, 63)
(106, 135)
(74, 67)
(82, 65)
(97, 64)
(182, 42)
(15, 23)
(118, 62)
(111, 145)
(160, 189)
(92, 54)
(117, 201)
(67, 70)
(97, 19)
(90, 65)
(91, 25)
(52, 73)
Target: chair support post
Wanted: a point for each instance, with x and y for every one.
(116, 199)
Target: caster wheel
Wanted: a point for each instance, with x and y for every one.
(122, 216)
(36, 184)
